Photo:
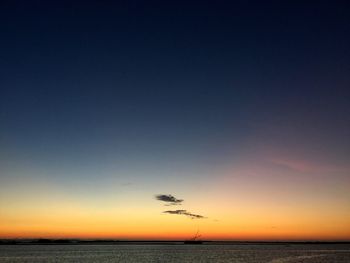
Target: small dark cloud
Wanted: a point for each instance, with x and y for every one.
(185, 213)
(169, 199)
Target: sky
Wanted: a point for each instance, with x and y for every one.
(152, 120)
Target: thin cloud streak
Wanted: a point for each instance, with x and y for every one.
(185, 213)
(303, 166)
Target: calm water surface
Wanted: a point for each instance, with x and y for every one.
(176, 253)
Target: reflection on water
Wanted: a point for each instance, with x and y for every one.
(176, 253)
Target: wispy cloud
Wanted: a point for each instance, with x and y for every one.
(304, 166)
(172, 200)
(169, 199)
(185, 213)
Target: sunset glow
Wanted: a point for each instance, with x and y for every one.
(135, 122)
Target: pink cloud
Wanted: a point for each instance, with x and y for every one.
(307, 166)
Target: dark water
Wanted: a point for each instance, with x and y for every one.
(176, 253)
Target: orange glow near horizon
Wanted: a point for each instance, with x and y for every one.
(245, 226)
(244, 202)
(165, 234)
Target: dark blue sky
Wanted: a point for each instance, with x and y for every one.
(141, 80)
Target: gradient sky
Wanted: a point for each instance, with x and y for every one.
(239, 108)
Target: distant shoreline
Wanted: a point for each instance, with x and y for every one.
(157, 242)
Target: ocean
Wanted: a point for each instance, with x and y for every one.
(247, 253)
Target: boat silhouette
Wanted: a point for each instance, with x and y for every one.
(194, 240)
